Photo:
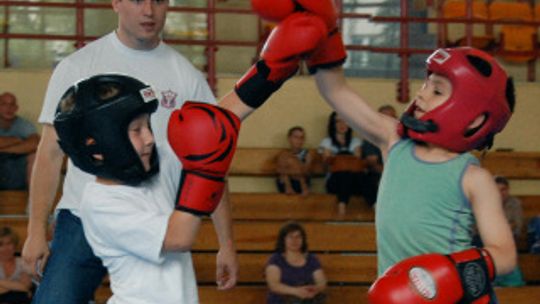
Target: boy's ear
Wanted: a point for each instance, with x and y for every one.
(476, 124)
(478, 121)
(89, 142)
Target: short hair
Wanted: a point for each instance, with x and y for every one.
(386, 107)
(287, 228)
(8, 232)
(295, 128)
(502, 180)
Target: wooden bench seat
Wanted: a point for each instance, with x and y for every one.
(314, 207)
(13, 202)
(339, 268)
(260, 235)
(275, 206)
(262, 162)
(335, 294)
(323, 236)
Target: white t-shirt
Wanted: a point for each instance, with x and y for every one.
(171, 75)
(326, 143)
(126, 226)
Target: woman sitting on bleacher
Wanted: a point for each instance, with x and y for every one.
(341, 151)
(15, 283)
(294, 275)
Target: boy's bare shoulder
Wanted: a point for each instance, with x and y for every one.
(476, 175)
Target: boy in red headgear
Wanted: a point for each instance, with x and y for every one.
(433, 192)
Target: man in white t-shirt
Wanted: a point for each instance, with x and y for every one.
(73, 272)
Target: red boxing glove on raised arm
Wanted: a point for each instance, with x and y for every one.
(204, 138)
(297, 35)
(330, 53)
(278, 10)
(462, 277)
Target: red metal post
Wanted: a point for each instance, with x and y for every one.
(211, 47)
(5, 29)
(79, 24)
(469, 26)
(404, 53)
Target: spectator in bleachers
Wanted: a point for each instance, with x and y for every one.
(374, 161)
(341, 151)
(15, 283)
(293, 274)
(18, 144)
(294, 164)
(533, 234)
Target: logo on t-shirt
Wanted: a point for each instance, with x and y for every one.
(168, 99)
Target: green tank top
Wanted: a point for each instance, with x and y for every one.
(421, 206)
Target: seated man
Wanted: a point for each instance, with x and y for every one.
(18, 144)
(293, 164)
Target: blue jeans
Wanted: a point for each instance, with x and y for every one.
(73, 272)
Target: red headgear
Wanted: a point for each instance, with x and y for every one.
(475, 91)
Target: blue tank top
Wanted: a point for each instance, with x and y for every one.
(421, 206)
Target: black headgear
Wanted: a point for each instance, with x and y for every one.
(101, 108)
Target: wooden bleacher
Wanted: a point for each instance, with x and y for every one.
(345, 245)
(262, 162)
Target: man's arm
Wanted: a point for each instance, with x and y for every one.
(43, 187)
(226, 259)
(6, 141)
(22, 146)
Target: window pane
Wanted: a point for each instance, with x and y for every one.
(41, 20)
(98, 22)
(25, 53)
(234, 60)
(359, 31)
(185, 26)
(195, 54)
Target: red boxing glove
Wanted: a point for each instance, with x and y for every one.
(326, 9)
(273, 10)
(462, 277)
(277, 10)
(204, 138)
(331, 53)
(297, 35)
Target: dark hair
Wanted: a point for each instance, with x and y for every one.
(386, 107)
(295, 128)
(285, 230)
(332, 132)
(501, 180)
(8, 232)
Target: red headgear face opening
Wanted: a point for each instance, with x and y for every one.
(478, 88)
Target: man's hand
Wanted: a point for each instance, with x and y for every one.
(35, 254)
(226, 268)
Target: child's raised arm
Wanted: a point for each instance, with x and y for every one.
(377, 128)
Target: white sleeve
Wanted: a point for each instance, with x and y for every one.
(120, 222)
(326, 144)
(355, 143)
(64, 76)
